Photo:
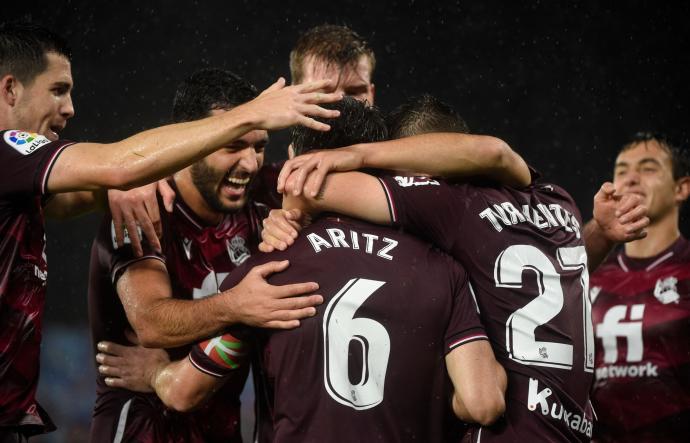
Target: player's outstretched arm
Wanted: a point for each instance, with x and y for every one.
(617, 219)
(163, 321)
(159, 152)
(479, 383)
(440, 154)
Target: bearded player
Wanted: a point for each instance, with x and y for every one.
(388, 294)
(42, 171)
(168, 298)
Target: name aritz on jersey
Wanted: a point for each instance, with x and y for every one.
(368, 243)
(541, 216)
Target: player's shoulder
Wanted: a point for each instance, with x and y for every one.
(16, 141)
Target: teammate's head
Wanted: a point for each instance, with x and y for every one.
(424, 114)
(357, 123)
(338, 53)
(651, 165)
(35, 80)
(221, 178)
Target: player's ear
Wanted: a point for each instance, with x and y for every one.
(9, 89)
(682, 189)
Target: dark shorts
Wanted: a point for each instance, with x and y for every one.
(142, 418)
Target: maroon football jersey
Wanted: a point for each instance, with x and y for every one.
(527, 265)
(198, 257)
(264, 186)
(26, 160)
(641, 315)
(370, 365)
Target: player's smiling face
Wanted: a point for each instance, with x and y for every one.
(645, 169)
(353, 80)
(223, 178)
(45, 104)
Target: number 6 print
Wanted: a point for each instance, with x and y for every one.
(339, 329)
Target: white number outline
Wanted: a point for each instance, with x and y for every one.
(521, 343)
(339, 329)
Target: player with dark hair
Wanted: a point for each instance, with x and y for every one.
(525, 254)
(423, 114)
(166, 298)
(371, 363)
(40, 169)
(641, 305)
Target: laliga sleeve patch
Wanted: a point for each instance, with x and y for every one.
(24, 142)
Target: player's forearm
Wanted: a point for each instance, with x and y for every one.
(159, 152)
(367, 203)
(448, 155)
(597, 245)
(149, 155)
(173, 322)
(177, 387)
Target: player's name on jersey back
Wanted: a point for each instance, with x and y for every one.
(364, 242)
(541, 216)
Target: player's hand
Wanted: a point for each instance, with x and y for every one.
(306, 173)
(622, 218)
(280, 229)
(281, 106)
(138, 208)
(254, 302)
(130, 367)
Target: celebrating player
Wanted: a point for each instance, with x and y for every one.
(641, 305)
(39, 168)
(525, 255)
(166, 297)
(387, 294)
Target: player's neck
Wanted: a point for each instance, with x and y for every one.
(660, 235)
(193, 199)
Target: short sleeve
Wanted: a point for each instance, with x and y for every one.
(119, 258)
(423, 206)
(464, 325)
(27, 159)
(219, 356)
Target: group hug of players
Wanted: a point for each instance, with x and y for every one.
(444, 293)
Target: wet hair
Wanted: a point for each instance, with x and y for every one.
(23, 49)
(209, 89)
(357, 123)
(338, 45)
(424, 114)
(680, 157)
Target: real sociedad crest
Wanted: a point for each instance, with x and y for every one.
(237, 250)
(666, 291)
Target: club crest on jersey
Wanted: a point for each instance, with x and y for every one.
(406, 182)
(237, 250)
(666, 291)
(24, 142)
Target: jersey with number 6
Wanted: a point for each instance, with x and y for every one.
(641, 313)
(370, 365)
(525, 256)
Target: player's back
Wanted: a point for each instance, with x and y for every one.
(370, 365)
(526, 259)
